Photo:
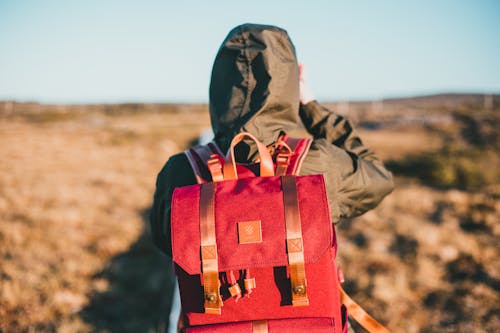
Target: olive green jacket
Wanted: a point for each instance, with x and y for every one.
(255, 88)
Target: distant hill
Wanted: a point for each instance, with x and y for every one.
(429, 110)
(428, 103)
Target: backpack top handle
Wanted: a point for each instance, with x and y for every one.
(266, 161)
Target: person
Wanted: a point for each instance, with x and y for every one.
(257, 87)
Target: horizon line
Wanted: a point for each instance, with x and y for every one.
(199, 101)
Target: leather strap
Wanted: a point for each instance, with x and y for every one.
(282, 163)
(259, 326)
(294, 242)
(357, 313)
(291, 162)
(266, 162)
(210, 269)
(285, 153)
(215, 168)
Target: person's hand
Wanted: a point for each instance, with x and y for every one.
(306, 94)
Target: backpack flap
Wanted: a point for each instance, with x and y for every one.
(250, 227)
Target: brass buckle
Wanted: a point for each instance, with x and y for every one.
(213, 301)
(299, 295)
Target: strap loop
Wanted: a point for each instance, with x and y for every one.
(215, 168)
(249, 283)
(234, 288)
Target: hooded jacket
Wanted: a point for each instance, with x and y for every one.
(255, 88)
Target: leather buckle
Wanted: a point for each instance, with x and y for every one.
(283, 159)
(282, 163)
(299, 285)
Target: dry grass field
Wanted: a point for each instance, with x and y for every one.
(76, 184)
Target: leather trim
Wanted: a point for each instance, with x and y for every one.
(259, 326)
(360, 315)
(249, 232)
(210, 269)
(295, 246)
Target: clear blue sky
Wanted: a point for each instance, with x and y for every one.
(123, 51)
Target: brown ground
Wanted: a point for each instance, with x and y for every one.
(76, 185)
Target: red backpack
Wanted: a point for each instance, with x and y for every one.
(257, 253)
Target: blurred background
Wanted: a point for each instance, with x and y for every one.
(96, 95)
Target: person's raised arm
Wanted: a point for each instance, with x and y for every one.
(356, 179)
(323, 123)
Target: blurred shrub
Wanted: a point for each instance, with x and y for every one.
(51, 116)
(479, 128)
(466, 169)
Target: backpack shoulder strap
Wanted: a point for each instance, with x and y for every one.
(299, 147)
(198, 157)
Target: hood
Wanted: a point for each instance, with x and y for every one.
(254, 85)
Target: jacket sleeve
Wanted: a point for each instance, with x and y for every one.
(356, 179)
(175, 173)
